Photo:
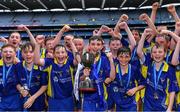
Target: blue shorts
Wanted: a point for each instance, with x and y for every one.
(178, 107)
(110, 102)
(39, 104)
(11, 103)
(66, 104)
(94, 106)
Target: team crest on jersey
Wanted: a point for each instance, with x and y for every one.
(115, 89)
(162, 80)
(148, 81)
(1, 81)
(67, 71)
(55, 79)
(100, 72)
(130, 83)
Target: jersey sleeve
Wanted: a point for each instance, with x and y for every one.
(139, 78)
(47, 63)
(173, 86)
(44, 78)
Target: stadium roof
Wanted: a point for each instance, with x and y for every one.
(77, 4)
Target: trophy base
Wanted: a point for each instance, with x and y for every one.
(87, 90)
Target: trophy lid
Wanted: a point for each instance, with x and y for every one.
(88, 59)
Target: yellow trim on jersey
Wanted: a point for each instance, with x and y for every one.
(72, 74)
(105, 92)
(43, 53)
(167, 93)
(178, 80)
(117, 69)
(144, 70)
(55, 61)
(35, 66)
(1, 62)
(49, 88)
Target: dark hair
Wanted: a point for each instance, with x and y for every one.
(8, 45)
(98, 38)
(77, 37)
(114, 39)
(157, 45)
(59, 45)
(123, 50)
(166, 37)
(27, 46)
(48, 38)
(14, 32)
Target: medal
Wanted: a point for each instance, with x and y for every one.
(120, 76)
(156, 79)
(156, 97)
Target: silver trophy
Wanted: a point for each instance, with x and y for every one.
(86, 85)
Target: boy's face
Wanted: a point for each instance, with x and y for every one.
(28, 55)
(67, 38)
(60, 54)
(49, 45)
(95, 46)
(158, 54)
(124, 59)
(79, 43)
(115, 45)
(15, 39)
(162, 41)
(8, 55)
(136, 35)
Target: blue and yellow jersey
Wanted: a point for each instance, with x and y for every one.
(43, 52)
(158, 99)
(9, 88)
(119, 87)
(39, 78)
(104, 72)
(60, 83)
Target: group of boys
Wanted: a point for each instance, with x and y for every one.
(138, 73)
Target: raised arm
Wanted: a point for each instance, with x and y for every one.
(37, 59)
(4, 40)
(123, 18)
(112, 75)
(175, 58)
(103, 29)
(59, 35)
(123, 25)
(173, 12)
(177, 28)
(145, 17)
(141, 45)
(77, 58)
(25, 28)
(174, 39)
(155, 7)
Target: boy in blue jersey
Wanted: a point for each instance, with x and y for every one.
(160, 76)
(124, 87)
(60, 74)
(114, 45)
(175, 61)
(32, 82)
(9, 95)
(15, 39)
(102, 71)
